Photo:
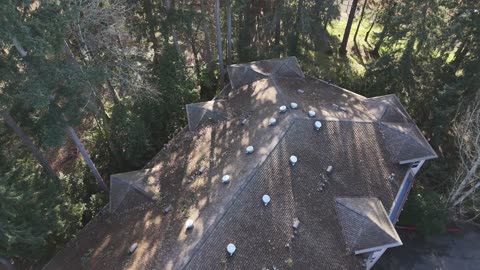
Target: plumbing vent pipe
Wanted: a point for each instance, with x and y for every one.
(311, 113)
(231, 249)
(318, 125)
(132, 248)
(250, 149)
(293, 105)
(226, 179)
(296, 223)
(272, 121)
(266, 199)
(283, 108)
(293, 160)
(329, 169)
(189, 224)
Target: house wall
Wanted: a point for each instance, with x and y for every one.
(397, 207)
(373, 257)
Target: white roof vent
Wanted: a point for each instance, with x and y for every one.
(293, 105)
(250, 149)
(231, 249)
(318, 125)
(272, 121)
(293, 160)
(189, 224)
(266, 199)
(132, 248)
(311, 113)
(226, 179)
(296, 223)
(283, 108)
(329, 169)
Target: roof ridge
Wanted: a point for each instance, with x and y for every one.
(231, 203)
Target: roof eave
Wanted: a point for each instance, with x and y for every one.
(361, 251)
(403, 162)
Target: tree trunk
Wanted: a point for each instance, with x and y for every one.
(460, 54)
(466, 180)
(29, 144)
(208, 53)
(87, 158)
(115, 98)
(148, 11)
(229, 32)
(371, 27)
(100, 109)
(168, 4)
(277, 17)
(219, 41)
(360, 21)
(351, 16)
(466, 194)
(19, 47)
(380, 41)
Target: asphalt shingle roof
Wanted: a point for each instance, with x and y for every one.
(365, 224)
(352, 139)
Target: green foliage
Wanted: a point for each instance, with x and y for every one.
(166, 114)
(425, 210)
(36, 215)
(131, 135)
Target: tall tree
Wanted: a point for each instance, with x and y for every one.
(360, 21)
(9, 121)
(86, 157)
(229, 32)
(346, 34)
(371, 27)
(170, 10)
(219, 41)
(207, 54)
(467, 133)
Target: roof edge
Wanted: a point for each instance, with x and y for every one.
(365, 250)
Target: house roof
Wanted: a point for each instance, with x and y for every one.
(366, 225)
(243, 74)
(405, 141)
(185, 179)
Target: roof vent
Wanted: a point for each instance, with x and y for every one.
(318, 125)
(391, 177)
(293, 105)
(283, 108)
(132, 248)
(272, 121)
(266, 199)
(249, 149)
(231, 249)
(189, 224)
(329, 169)
(293, 160)
(296, 223)
(311, 113)
(226, 179)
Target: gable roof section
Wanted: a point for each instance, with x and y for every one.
(243, 74)
(365, 224)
